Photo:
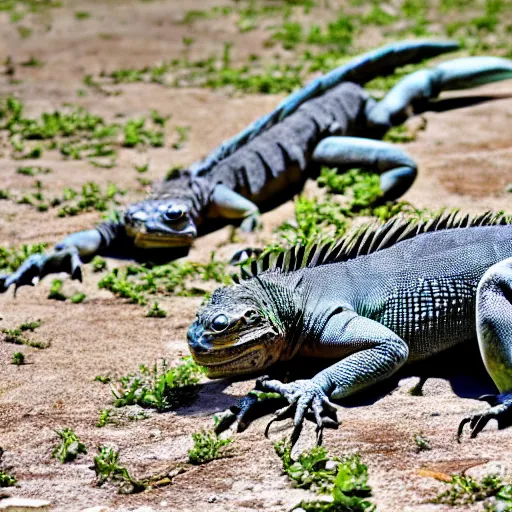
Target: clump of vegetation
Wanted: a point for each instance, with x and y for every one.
(399, 135)
(98, 264)
(78, 298)
(33, 171)
(11, 259)
(16, 337)
(464, 490)
(156, 311)
(55, 292)
(69, 447)
(6, 479)
(107, 468)
(327, 219)
(104, 379)
(18, 358)
(207, 447)
(76, 133)
(104, 418)
(346, 479)
(136, 282)
(422, 443)
(161, 387)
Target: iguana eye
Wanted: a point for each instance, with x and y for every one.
(219, 323)
(174, 212)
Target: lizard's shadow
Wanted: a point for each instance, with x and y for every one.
(445, 104)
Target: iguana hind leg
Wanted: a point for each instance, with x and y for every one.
(494, 331)
(397, 168)
(426, 84)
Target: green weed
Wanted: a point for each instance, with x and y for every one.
(104, 418)
(399, 135)
(18, 358)
(422, 443)
(161, 387)
(464, 490)
(207, 447)
(55, 292)
(69, 447)
(104, 379)
(33, 171)
(98, 264)
(137, 282)
(16, 337)
(346, 479)
(78, 298)
(82, 15)
(156, 311)
(107, 468)
(7, 480)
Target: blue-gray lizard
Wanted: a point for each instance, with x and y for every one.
(269, 162)
(377, 300)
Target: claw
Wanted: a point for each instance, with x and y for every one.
(37, 266)
(501, 410)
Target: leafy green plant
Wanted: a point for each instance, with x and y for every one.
(345, 479)
(78, 298)
(207, 447)
(55, 292)
(33, 171)
(104, 379)
(104, 418)
(15, 335)
(106, 467)
(422, 443)
(69, 447)
(156, 311)
(161, 387)
(137, 282)
(18, 358)
(464, 490)
(7, 480)
(98, 264)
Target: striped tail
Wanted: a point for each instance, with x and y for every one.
(362, 69)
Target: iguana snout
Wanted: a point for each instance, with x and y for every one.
(233, 337)
(160, 224)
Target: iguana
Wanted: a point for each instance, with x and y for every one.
(378, 299)
(269, 161)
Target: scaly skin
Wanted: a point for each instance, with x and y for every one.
(269, 162)
(367, 314)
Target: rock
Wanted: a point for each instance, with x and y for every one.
(212, 498)
(23, 505)
(98, 508)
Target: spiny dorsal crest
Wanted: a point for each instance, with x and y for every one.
(367, 239)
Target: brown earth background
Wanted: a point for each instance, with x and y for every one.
(464, 158)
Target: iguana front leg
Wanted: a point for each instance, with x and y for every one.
(228, 204)
(375, 353)
(397, 168)
(494, 331)
(66, 257)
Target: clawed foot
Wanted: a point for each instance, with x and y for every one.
(251, 223)
(305, 398)
(501, 410)
(39, 265)
(238, 417)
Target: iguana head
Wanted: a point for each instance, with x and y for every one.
(168, 217)
(236, 333)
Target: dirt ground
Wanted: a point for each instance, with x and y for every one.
(464, 158)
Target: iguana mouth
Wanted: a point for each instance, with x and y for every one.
(154, 241)
(248, 362)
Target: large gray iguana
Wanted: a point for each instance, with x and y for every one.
(269, 161)
(377, 300)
